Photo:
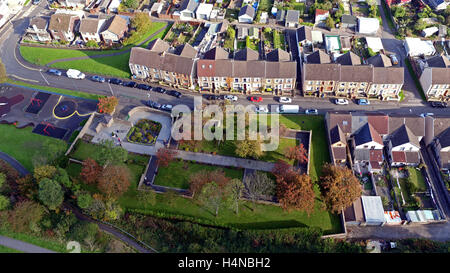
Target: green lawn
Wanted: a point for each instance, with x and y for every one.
(178, 172)
(42, 56)
(35, 240)
(57, 90)
(416, 177)
(14, 142)
(4, 249)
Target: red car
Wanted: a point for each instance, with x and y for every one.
(256, 99)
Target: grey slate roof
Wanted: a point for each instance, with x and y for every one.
(402, 136)
(304, 34)
(186, 50)
(444, 138)
(158, 45)
(318, 57)
(246, 54)
(190, 5)
(361, 155)
(438, 61)
(40, 22)
(349, 58)
(281, 14)
(349, 19)
(292, 16)
(278, 55)
(336, 135)
(367, 134)
(380, 60)
(247, 10)
(216, 53)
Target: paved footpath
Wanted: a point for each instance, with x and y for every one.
(14, 163)
(22, 246)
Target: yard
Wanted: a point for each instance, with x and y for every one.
(20, 143)
(170, 176)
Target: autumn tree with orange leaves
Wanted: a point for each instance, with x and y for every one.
(298, 153)
(339, 187)
(107, 104)
(199, 179)
(114, 181)
(165, 156)
(90, 171)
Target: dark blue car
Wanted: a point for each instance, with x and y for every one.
(144, 86)
(153, 104)
(54, 72)
(115, 81)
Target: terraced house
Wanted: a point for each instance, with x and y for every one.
(62, 26)
(246, 73)
(163, 64)
(435, 78)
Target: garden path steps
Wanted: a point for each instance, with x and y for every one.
(107, 55)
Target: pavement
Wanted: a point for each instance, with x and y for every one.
(22, 246)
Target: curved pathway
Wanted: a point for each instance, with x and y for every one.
(108, 55)
(22, 246)
(14, 163)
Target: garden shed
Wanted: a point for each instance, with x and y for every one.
(373, 210)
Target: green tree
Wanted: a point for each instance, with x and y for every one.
(141, 21)
(84, 200)
(249, 148)
(44, 171)
(4, 202)
(2, 179)
(26, 216)
(233, 193)
(399, 11)
(50, 193)
(132, 4)
(111, 154)
(211, 196)
(84, 232)
(329, 22)
(92, 43)
(62, 177)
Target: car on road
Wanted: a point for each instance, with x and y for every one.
(285, 100)
(341, 101)
(261, 109)
(75, 74)
(438, 104)
(394, 59)
(210, 97)
(129, 84)
(230, 97)
(54, 72)
(115, 81)
(167, 107)
(143, 86)
(363, 102)
(97, 79)
(174, 93)
(256, 99)
(311, 112)
(153, 104)
(159, 90)
(36, 2)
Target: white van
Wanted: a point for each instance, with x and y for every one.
(286, 108)
(75, 74)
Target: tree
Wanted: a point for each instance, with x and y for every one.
(50, 193)
(83, 230)
(233, 192)
(3, 75)
(107, 105)
(259, 184)
(4, 202)
(281, 168)
(298, 153)
(90, 171)
(111, 154)
(26, 216)
(113, 211)
(199, 179)
(141, 21)
(420, 25)
(62, 177)
(339, 187)
(399, 11)
(84, 200)
(114, 181)
(211, 196)
(2, 179)
(132, 4)
(249, 148)
(165, 156)
(295, 191)
(329, 22)
(44, 171)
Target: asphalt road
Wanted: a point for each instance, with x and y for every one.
(22, 246)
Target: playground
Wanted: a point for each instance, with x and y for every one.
(49, 114)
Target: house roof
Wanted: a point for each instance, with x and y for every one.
(216, 53)
(318, 57)
(246, 54)
(190, 5)
(177, 64)
(278, 55)
(349, 58)
(304, 33)
(247, 10)
(116, 25)
(204, 8)
(321, 72)
(292, 16)
(89, 25)
(402, 136)
(339, 153)
(148, 58)
(373, 209)
(415, 123)
(39, 22)
(399, 156)
(438, 61)
(440, 75)
(379, 121)
(360, 73)
(186, 50)
(412, 157)
(281, 14)
(367, 134)
(337, 135)
(375, 165)
(343, 120)
(349, 19)
(158, 45)
(322, 12)
(376, 155)
(380, 60)
(389, 75)
(445, 159)
(354, 213)
(62, 22)
(361, 155)
(444, 138)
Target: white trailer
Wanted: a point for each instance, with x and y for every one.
(75, 74)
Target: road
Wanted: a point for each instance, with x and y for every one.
(22, 246)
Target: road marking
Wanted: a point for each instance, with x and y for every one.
(29, 68)
(71, 115)
(23, 79)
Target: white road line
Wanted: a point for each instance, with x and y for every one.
(23, 79)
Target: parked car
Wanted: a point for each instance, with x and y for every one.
(438, 104)
(129, 84)
(285, 100)
(54, 72)
(211, 97)
(159, 90)
(363, 102)
(261, 109)
(143, 86)
(256, 99)
(153, 104)
(75, 74)
(36, 2)
(311, 112)
(394, 59)
(167, 107)
(230, 97)
(174, 93)
(97, 79)
(341, 101)
(115, 81)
